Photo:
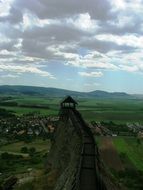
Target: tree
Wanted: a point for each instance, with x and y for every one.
(5, 156)
(138, 141)
(32, 151)
(24, 149)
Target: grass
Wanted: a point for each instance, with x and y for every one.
(15, 153)
(35, 99)
(117, 116)
(39, 144)
(21, 110)
(20, 165)
(130, 147)
(131, 155)
(118, 110)
(112, 110)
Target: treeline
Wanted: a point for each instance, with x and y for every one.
(33, 106)
(15, 104)
(6, 113)
(8, 103)
(119, 129)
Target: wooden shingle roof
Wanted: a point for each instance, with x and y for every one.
(69, 99)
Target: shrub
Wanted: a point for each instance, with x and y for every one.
(24, 149)
(32, 151)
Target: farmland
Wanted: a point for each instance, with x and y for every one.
(15, 161)
(112, 110)
(41, 146)
(128, 110)
(113, 115)
(132, 150)
(126, 162)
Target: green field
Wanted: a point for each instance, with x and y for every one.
(14, 162)
(119, 110)
(39, 144)
(21, 110)
(112, 110)
(116, 110)
(131, 149)
(129, 154)
(52, 103)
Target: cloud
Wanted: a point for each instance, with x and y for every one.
(91, 84)
(94, 35)
(91, 74)
(104, 46)
(129, 40)
(9, 76)
(19, 69)
(84, 22)
(15, 16)
(128, 68)
(93, 59)
(127, 5)
(8, 45)
(128, 61)
(5, 7)
(63, 8)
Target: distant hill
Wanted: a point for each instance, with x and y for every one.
(104, 94)
(55, 92)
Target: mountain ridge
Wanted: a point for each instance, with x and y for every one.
(57, 92)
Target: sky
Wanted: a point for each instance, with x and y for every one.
(82, 45)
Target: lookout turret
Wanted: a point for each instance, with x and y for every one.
(68, 102)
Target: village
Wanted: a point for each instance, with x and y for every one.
(20, 127)
(25, 142)
(114, 129)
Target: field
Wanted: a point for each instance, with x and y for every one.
(123, 156)
(107, 149)
(21, 110)
(128, 110)
(15, 162)
(132, 150)
(112, 110)
(26, 105)
(39, 144)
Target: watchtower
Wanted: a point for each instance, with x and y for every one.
(68, 102)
